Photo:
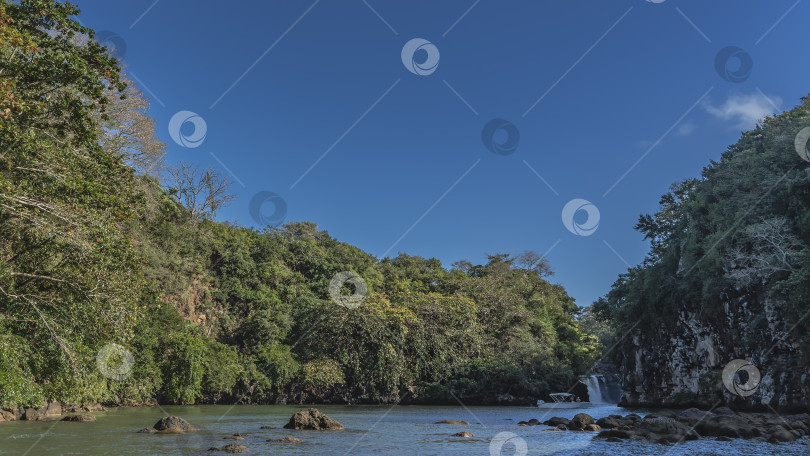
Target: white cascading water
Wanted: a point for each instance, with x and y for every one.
(594, 390)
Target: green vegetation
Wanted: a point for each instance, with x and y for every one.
(95, 249)
(742, 229)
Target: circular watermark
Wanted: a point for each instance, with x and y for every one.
(259, 205)
(190, 140)
(509, 442)
(586, 227)
(116, 46)
(112, 355)
(422, 46)
(353, 300)
(733, 64)
(500, 137)
(741, 377)
(801, 143)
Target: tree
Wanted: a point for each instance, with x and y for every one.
(69, 279)
(767, 248)
(126, 130)
(202, 192)
(533, 262)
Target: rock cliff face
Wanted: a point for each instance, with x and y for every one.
(680, 362)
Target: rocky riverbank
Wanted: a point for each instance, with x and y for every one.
(670, 426)
(52, 410)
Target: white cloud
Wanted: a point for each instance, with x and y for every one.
(686, 129)
(745, 110)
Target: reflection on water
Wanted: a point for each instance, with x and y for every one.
(370, 430)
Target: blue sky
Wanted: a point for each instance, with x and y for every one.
(595, 89)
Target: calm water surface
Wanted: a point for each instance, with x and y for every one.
(370, 430)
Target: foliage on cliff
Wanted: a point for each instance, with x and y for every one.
(94, 253)
(741, 229)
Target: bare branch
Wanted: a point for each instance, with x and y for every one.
(202, 192)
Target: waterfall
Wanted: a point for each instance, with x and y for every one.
(594, 390)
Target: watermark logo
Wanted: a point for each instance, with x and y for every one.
(741, 377)
(510, 442)
(801, 143)
(421, 46)
(351, 301)
(259, 205)
(733, 64)
(115, 362)
(116, 46)
(500, 137)
(656, 1)
(569, 217)
(190, 140)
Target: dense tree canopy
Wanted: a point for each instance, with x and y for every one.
(742, 229)
(95, 250)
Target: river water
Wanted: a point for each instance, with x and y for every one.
(370, 430)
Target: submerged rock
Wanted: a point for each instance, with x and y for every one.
(232, 448)
(460, 422)
(80, 418)
(313, 419)
(464, 434)
(286, 440)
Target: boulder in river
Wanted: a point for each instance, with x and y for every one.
(664, 430)
(609, 422)
(313, 419)
(464, 434)
(780, 434)
(726, 426)
(556, 421)
(173, 425)
(581, 420)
